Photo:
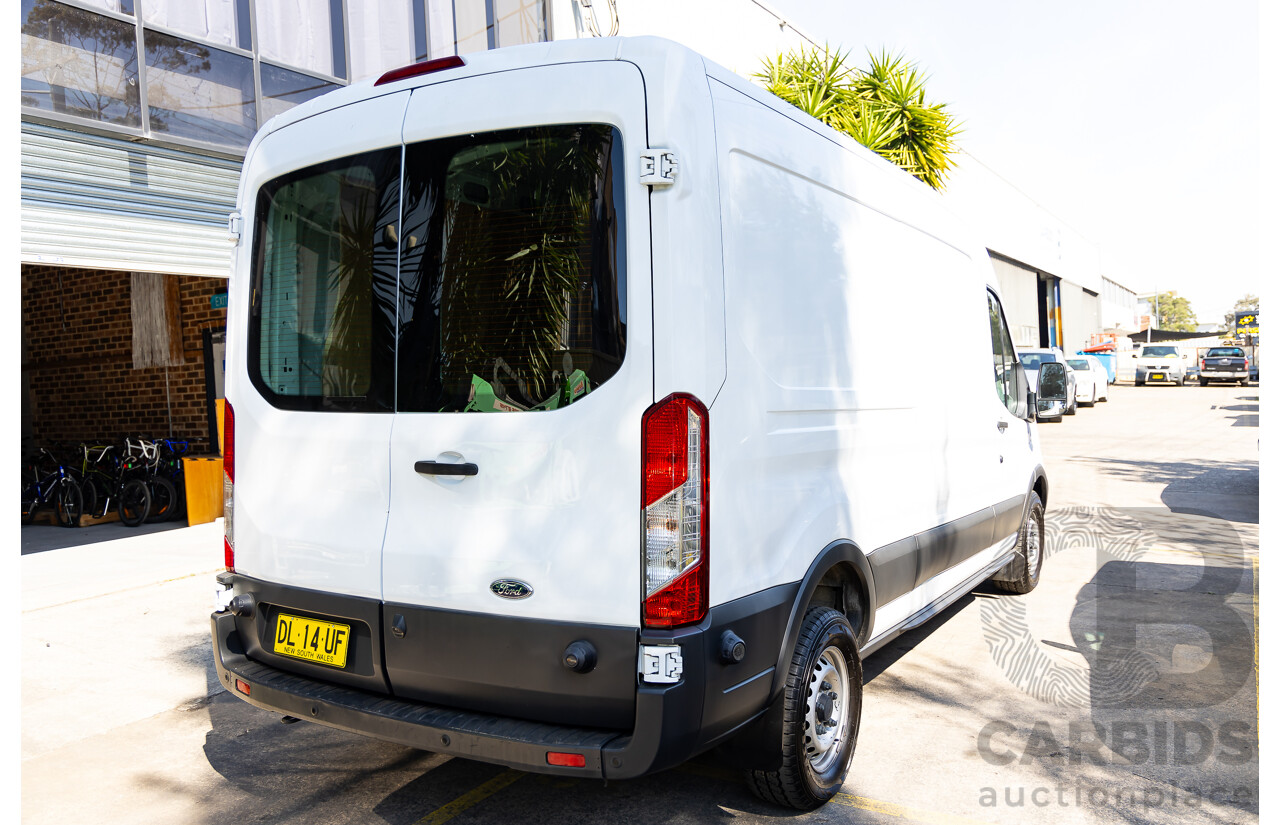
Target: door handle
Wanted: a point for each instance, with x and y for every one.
(1002, 425)
(439, 468)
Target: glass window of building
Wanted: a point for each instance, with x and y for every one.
(217, 21)
(307, 34)
(382, 37)
(283, 89)
(199, 92)
(78, 63)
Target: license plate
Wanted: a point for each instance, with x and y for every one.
(1158, 376)
(312, 640)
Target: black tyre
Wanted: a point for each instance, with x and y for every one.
(1071, 410)
(89, 493)
(68, 503)
(1244, 382)
(1204, 382)
(821, 713)
(164, 499)
(1023, 573)
(1140, 382)
(30, 503)
(135, 502)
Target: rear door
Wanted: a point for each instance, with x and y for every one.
(524, 351)
(310, 370)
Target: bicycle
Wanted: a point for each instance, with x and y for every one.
(57, 488)
(114, 477)
(164, 493)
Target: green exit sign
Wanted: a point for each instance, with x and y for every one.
(218, 300)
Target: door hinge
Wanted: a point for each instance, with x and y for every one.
(235, 225)
(658, 167)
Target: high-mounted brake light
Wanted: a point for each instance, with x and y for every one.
(418, 69)
(675, 492)
(228, 483)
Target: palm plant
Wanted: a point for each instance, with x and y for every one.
(882, 107)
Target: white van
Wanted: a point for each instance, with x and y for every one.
(567, 426)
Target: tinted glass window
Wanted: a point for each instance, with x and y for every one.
(512, 280)
(321, 333)
(1003, 356)
(1159, 352)
(1033, 360)
(198, 92)
(1225, 352)
(1078, 364)
(78, 63)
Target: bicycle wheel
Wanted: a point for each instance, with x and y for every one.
(164, 499)
(89, 494)
(68, 503)
(135, 502)
(30, 502)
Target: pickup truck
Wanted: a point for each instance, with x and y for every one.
(1224, 364)
(1160, 363)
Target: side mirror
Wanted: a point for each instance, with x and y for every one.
(1052, 382)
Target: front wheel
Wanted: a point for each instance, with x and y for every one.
(69, 503)
(821, 713)
(1023, 573)
(135, 502)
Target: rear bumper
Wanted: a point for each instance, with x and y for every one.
(484, 737)
(672, 722)
(1233, 375)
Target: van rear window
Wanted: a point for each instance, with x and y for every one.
(512, 282)
(324, 282)
(496, 284)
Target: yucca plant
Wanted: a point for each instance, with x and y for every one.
(883, 107)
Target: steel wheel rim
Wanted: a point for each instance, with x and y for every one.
(828, 695)
(1032, 544)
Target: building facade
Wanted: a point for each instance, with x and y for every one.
(135, 118)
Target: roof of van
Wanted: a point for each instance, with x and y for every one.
(642, 51)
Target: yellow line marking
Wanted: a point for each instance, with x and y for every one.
(1257, 683)
(470, 798)
(862, 803)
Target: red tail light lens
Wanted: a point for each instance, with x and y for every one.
(229, 440)
(228, 484)
(675, 496)
(425, 67)
(566, 760)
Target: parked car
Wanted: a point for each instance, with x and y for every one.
(541, 449)
(1160, 363)
(1091, 379)
(1224, 364)
(1031, 360)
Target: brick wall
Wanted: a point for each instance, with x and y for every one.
(77, 360)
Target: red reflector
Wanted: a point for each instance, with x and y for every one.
(228, 554)
(566, 760)
(242, 686)
(425, 67)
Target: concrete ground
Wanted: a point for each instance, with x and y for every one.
(1123, 689)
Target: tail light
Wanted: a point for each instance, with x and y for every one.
(674, 481)
(228, 483)
(1203, 363)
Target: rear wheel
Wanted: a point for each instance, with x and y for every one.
(821, 713)
(1204, 382)
(30, 502)
(135, 502)
(1023, 573)
(1244, 382)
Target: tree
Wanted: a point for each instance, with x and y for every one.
(1249, 303)
(882, 107)
(1175, 313)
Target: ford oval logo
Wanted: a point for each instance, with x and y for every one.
(511, 589)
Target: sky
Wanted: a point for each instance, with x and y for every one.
(1136, 123)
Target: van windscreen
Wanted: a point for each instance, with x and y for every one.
(512, 285)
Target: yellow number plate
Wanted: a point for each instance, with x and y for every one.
(312, 640)
(1159, 376)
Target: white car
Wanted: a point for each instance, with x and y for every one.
(1091, 379)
